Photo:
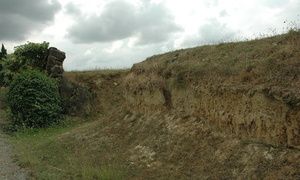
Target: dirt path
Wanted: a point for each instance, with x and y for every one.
(9, 170)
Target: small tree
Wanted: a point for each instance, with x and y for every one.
(32, 55)
(3, 54)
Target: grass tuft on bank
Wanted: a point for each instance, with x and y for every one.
(45, 156)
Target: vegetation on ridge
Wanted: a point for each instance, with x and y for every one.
(273, 60)
(27, 56)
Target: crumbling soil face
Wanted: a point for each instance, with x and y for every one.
(210, 82)
(213, 132)
(171, 146)
(152, 139)
(9, 169)
(247, 112)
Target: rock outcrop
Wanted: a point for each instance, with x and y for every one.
(55, 61)
(75, 97)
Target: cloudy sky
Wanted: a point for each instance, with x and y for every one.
(119, 33)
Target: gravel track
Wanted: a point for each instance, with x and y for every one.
(9, 169)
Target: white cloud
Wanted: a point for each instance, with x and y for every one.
(89, 52)
(115, 45)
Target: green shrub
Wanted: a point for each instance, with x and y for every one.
(27, 56)
(34, 100)
(32, 55)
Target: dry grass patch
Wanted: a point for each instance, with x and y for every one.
(270, 61)
(43, 153)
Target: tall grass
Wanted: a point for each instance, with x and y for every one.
(43, 154)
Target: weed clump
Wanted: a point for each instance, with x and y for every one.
(34, 100)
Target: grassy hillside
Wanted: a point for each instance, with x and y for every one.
(120, 141)
(271, 61)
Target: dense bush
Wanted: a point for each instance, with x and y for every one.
(34, 100)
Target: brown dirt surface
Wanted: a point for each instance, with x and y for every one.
(151, 142)
(164, 146)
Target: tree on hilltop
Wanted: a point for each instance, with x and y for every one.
(3, 52)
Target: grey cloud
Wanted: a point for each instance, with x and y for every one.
(154, 34)
(19, 18)
(150, 23)
(72, 9)
(117, 21)
(223, 13)
(156, 25)
(124, 57)
(190, 41)
(13, 27)
(211, 32)
(214, 31)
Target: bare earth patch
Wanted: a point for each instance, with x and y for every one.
(9, 169)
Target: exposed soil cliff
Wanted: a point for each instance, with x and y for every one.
(262, 108)
(249, 113)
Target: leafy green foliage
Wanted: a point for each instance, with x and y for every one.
(27, 56)
(34, 100)
(10, 66)
(32, 55)
(3, 54)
